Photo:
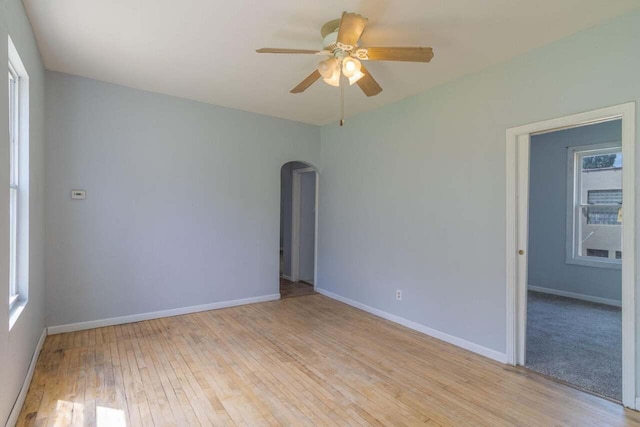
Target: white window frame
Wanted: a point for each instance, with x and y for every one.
(574, 207)
(18, 187)
(14, 155)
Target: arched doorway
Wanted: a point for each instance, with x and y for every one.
(298, 200)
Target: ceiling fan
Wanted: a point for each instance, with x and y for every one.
(340, 44)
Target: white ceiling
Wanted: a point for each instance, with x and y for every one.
(205, 49)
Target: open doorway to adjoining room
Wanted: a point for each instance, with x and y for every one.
(574, 297)
(298, 199)
(571, 250)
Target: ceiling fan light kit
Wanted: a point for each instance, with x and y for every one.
(340, 42)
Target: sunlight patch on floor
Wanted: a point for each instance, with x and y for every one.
(110, 417)
(68, 413)
(72, 413)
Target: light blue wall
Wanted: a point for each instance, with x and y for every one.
(183, 200)
(413, 194)
(548, 214)
(17, 346)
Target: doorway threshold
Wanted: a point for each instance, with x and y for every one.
(528, 371)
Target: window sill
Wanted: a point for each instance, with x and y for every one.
(612, 265)
(12, 301)
(15, 311)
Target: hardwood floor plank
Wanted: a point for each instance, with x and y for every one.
(299, 361)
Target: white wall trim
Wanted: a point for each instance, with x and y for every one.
(574, 295)
(17, 406)
(91, 324)
(467, 345)
(289, 278)
(517, 198)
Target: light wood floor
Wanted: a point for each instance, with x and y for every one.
(299, 361)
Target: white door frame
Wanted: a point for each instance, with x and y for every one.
(295, 226)
(518, 144)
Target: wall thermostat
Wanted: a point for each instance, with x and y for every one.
(78, 194)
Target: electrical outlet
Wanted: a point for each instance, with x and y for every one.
(398, 294)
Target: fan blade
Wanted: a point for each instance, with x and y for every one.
(304, 85)
(409, 54)
(368, 84)
(351, 28)
(276, 50)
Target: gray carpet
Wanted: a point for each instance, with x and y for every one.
(578, 342)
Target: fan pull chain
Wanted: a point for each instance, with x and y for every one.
(342, 104)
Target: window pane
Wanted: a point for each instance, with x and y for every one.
(602, 161)
(604, 197)
(603, 215)
(601, 185)
(13, 127)
(600, 253)
(13, 234)
(599, 230)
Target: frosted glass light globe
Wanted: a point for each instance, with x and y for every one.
(350, 67)
(328, 68)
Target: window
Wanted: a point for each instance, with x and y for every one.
(14, 128)
(594, 208)
(18, 81)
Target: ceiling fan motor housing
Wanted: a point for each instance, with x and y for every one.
(330, 43)
(330, 40)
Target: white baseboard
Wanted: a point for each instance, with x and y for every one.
(17, 406)
(91, 324)
(289, 278)
(467, 345)
(575, 296)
